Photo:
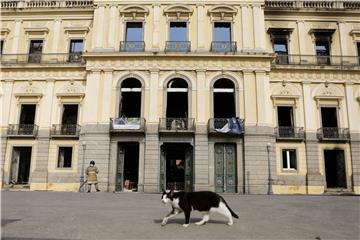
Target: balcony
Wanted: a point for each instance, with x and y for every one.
(43, 58)
(290, 133)
(226, 126)
(317, 60)
(178, 125)
(132, 46)
(223, 47)
(22, 130)
(175, 46)
(312, 4)
(9, 4)
(65, 131)
(333, 134)
(127, 125)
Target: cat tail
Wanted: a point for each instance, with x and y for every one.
(228, 207)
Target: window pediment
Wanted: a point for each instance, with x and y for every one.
(178, 12)
(134, 12)
(222, 12)
(355, 33)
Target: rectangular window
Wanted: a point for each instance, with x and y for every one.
(280, 46)
(75, 50)
(35, 51)
(289, 159)
(322, 47)
(329, 117)
(1, 46)
(65, 157)
(134, 32)
(285, 121)
(178, 32)
(358, 51)
(222, 32)
(27, 114)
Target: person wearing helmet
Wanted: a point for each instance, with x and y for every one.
(91, 176)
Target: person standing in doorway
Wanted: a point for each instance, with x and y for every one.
(91, 176)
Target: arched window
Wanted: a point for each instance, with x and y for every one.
(130, 102)
(224, 99)
(177, 98)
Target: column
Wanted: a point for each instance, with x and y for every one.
(98, 35)
(343, 36)
(302, 37)
(200, 27)
(245, 21)
(56, 34)
(263, 100)
(250, 98)
(112, 26)
(106, 100)
(259, 28)
(153, 108)
(16, 36)
(156, 28)
(201, 96)
(91, 101)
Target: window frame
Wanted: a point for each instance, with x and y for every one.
(178, 21)
(134, 21)
(74, 39)
(231, 31)
(288, 161)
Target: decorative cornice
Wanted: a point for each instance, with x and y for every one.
(315, 5)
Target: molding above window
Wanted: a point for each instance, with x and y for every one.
(178, 12)
(39, 31)
(222, 13)
(71, 30)
(279, 33)
(321, 33)
(135, 12)
(285, 99)
(355, 33)
(4, 32)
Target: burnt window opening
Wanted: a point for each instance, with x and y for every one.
(65, 157)
(35, 51)
(177, 99)
(329, 117)
(358, 51)
(27, 114)
(70, 114)
(224, 99)
(131, 166)
(20, 165)
(322, 48)
(130, 103)
(335, 169)
(285, 116)
(1, 46)
(289, 159)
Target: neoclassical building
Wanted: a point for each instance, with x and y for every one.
(231, 96)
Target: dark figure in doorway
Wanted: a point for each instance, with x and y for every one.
(91, 176)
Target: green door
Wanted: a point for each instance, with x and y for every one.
(225, 168)
(188, 169)
(119, 169)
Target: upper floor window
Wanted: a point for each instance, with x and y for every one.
(358, 51)
(222, 38)
(75, 50)
(329, 122)
(134, 38)
(280, 41)
(178, 37)
(35, 51)
(322, 39)
(1, 46)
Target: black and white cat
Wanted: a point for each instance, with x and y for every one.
(204, 202)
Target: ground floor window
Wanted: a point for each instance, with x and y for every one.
(289, 159)
(65, 157)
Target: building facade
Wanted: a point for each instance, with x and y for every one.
(227, 96)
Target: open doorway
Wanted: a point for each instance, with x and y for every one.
(176, 166)
(128, 167)
(20, 165)
(335, 168)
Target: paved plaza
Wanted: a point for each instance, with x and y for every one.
(63, 215)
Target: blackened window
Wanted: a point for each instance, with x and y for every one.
(322, 47)
(65, 157)
(1, 46)
(289, 159)
(285, 116)
(35, 51)
(27, 114)
(75, 50)
(358, 51)
(70, 114)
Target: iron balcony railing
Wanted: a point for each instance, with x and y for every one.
(177, 124)
(226, 126)
(65, 130)
(290, 133)
(223, 46)
(178, 46)
(132, 46)
(8, 4)
(123, 124)
(42, 58)
(333, 134)
(316, 60)
(22, 130)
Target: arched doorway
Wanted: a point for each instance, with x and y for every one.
(130, 98)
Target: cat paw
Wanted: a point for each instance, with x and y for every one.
(200, 223)
(185, 225)
(230, 223)
(163, 223)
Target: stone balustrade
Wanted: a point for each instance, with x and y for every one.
(312, 4)
(8, 4)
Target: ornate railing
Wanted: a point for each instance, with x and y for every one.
(226, 126)
(42, 58)
(316, 60)
(223, 46)
(312, 4)
(123, 124)
(176, 46)
(177, 124)
(333, 134)
(8, 4)
(132, 46)
(65, 130)
(22, 130)
(290, 133)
